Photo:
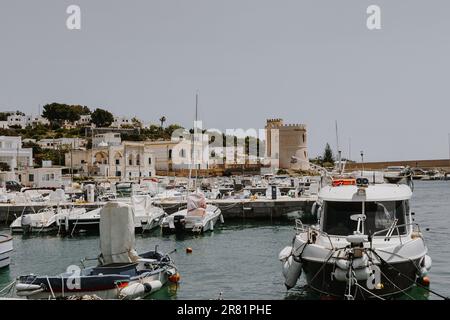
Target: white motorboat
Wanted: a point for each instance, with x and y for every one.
(364, 245)
(120, 273)
(44, 221)
(198, 217)
(6, 248)
(146, 217)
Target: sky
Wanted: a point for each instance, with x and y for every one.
(313, 62)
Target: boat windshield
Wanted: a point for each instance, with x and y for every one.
(380, 215)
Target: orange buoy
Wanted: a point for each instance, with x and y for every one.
(175, 278)
(425, 281)
(188, 250)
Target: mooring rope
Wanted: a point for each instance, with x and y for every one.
(408, 278)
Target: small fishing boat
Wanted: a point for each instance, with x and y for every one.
(120, 274)
(6, 247)
(198, 217)
(364, 245)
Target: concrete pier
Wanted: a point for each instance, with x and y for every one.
(251, 209)
(261, 209)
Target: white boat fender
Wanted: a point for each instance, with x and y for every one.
(66, 221)
(363, 273)
(292, 270)
(359, 274)
(360, 262)
(27, 293)
(27, 287)
(140, 289)
(340, 274)
(285, 253)
(343, 264)
(221, 218)
(425, 264)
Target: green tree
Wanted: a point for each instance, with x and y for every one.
(57, 112)
(81, 110)
(4, 166)
(4, 115)
(136, 122)
(162, 120)
(328, 154)
(102, 118)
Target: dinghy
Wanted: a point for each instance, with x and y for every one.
(198, 217)
(120, 274)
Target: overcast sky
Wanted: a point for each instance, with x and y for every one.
(309, 62)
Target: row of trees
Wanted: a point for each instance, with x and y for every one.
(57, 113)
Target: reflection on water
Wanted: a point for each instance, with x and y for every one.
(239, 259)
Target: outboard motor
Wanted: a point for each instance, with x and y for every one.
(25, 222)
(179, 222)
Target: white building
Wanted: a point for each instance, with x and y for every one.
(106, 139)
(12, 153)
(85, 120)
(128, 161)
(4, 125)
(25, 121)
(121, 121)
(74, 143)
(45, 177)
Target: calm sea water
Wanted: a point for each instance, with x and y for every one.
(239, 259)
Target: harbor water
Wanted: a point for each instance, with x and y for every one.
(239, 260)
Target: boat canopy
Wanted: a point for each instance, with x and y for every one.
(117, 233)
(376, 192)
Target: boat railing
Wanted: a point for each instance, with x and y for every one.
(388, 235)
(301, 228)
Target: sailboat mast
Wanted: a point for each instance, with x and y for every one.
(195, 132)
(192, 162)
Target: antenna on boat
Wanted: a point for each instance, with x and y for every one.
(362, 162)
(337, 146)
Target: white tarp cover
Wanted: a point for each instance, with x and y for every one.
(117, 233)
(58, 195)
(196, 200)
(142, 204)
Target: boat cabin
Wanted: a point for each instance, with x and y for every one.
(371, 210)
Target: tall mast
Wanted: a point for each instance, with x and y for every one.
(192, 162)
(338, 153)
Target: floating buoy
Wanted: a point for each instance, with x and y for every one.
(188, 250)
(175, 278)
(379, 286)
(425, 281)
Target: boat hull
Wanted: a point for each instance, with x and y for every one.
(319, 278)
(111, 281)
(6, 248)
(178, 227)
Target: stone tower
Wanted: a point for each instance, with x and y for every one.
(287, 143)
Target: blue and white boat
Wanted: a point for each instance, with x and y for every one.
(120, 274)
